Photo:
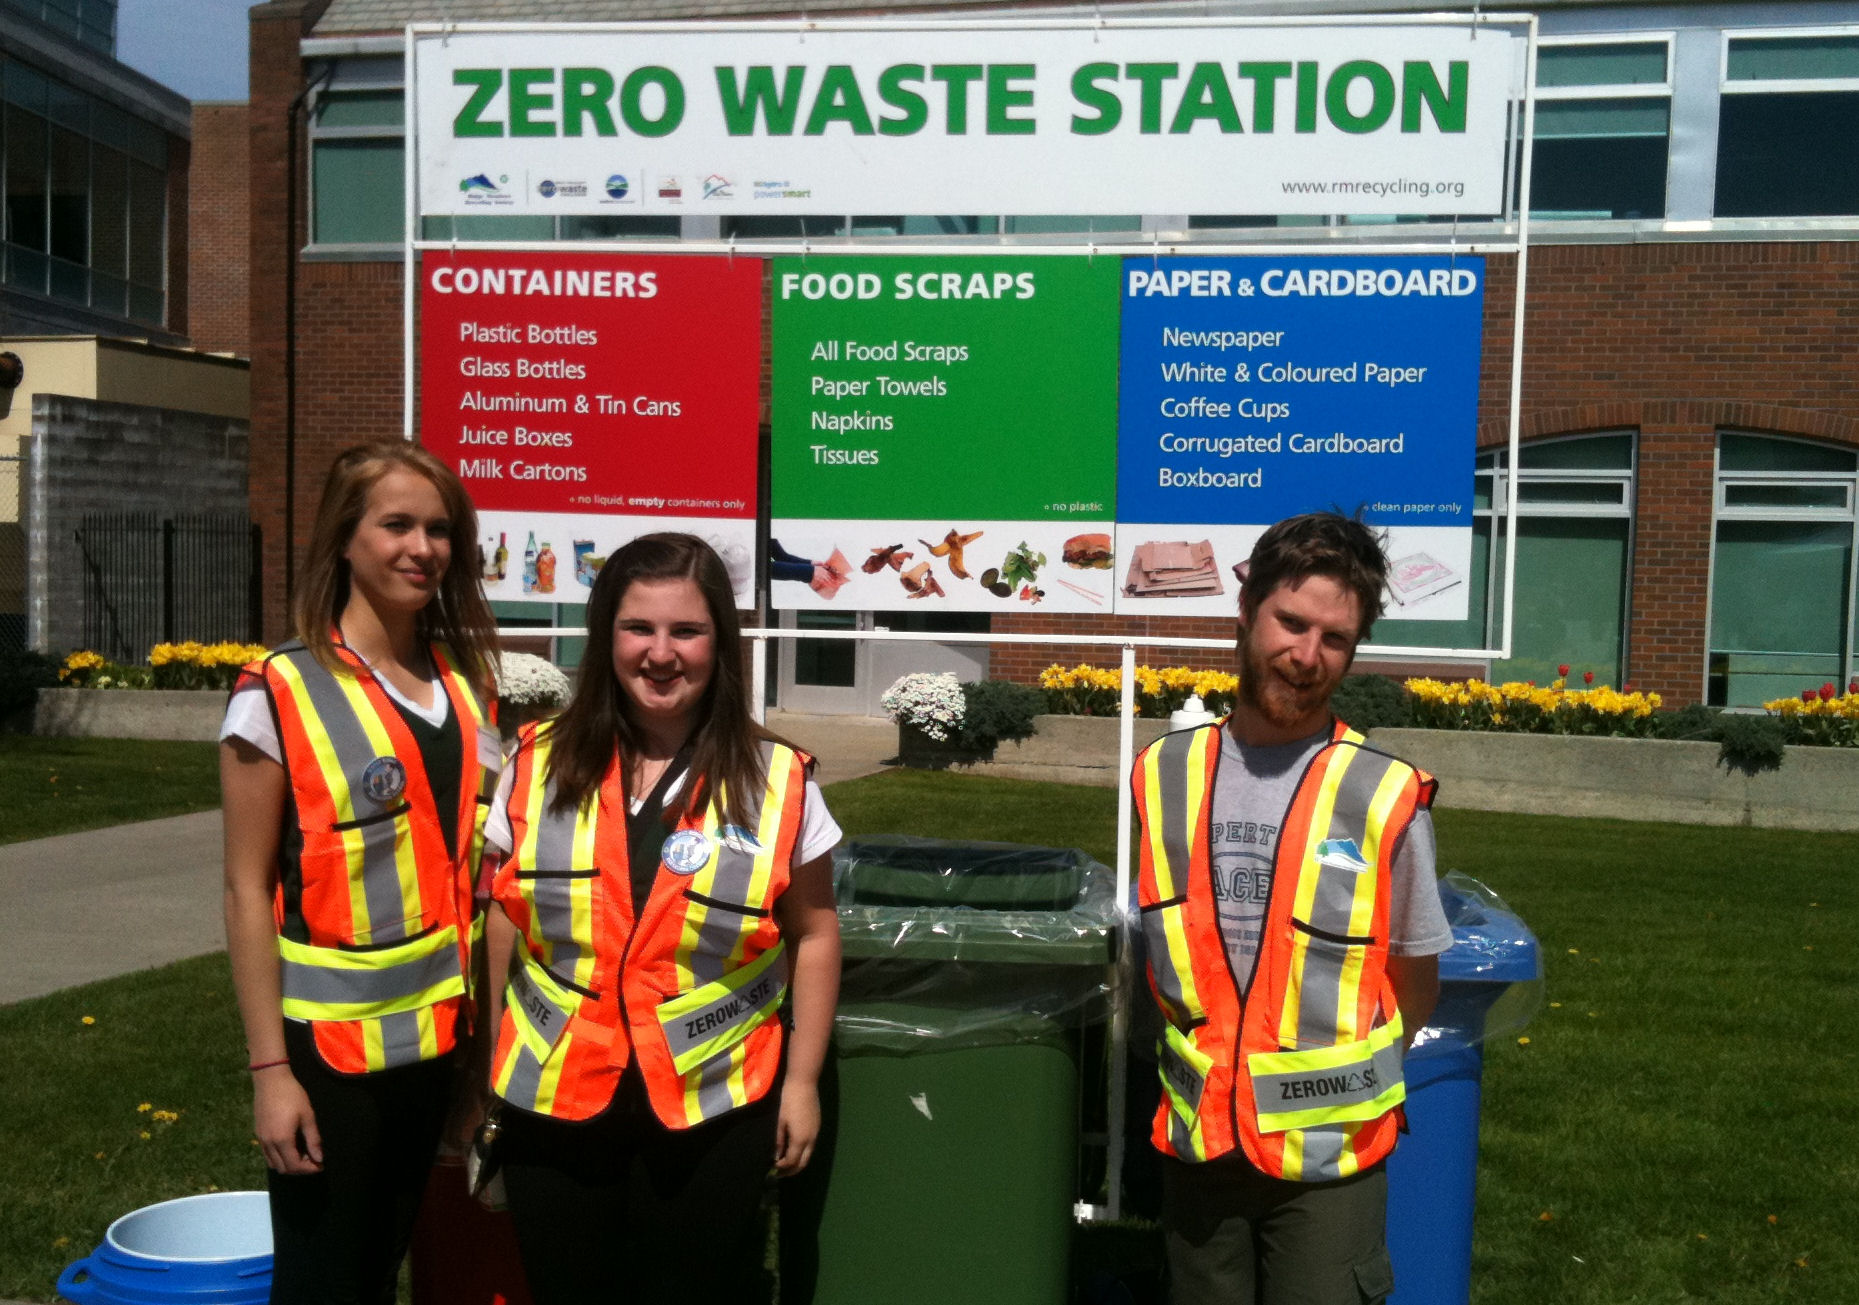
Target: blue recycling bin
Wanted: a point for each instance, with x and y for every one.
(1490, 987)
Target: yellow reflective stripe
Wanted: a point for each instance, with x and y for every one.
(449, 668)
(1323, 810)
(1174, 918)
(1293, 1158)
(549, 1080)
(406, 866)
(373, 1046)
(429, 1032)
(581, 891)
(353, 847)
(1379, 808)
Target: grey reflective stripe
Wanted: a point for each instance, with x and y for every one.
(1173, 755)
(387, 912)
(730, 879)
(1334, 900)
(1323, 1152)
(553, 899)
(1332, 1087)
(330, 985)
(400, 1039)
(525, 1078)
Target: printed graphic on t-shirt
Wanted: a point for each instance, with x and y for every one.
(1242, 873)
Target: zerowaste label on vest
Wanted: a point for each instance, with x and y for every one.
(1256, 388)
(944, 432)
(585, 399)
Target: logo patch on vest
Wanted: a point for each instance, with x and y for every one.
(686, 852)
(383, 780)
(1341, 852)
(738, 839)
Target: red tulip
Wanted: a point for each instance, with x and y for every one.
(1827, 692)
(1627, 687)
(1807, 695)
(1587, 677)
(1563, 669)
(1852, 685)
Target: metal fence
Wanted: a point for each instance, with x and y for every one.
(152, 579)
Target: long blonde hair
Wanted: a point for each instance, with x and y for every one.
(458, 614)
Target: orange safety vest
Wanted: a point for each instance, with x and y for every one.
(1304, 1073)
(691, 985)
(374, 931)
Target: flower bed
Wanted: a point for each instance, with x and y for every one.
(187, 665)
(1086, 690)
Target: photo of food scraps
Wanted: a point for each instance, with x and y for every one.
(963, 566)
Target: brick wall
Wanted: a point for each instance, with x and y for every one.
(279, 499)
(1674, 340)
(219, 229)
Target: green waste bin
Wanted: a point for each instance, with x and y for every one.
(948, 1166)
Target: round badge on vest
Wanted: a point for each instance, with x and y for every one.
(384, 779)
(686, 852)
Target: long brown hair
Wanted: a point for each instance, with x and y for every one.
(598, 716)
(457, 616)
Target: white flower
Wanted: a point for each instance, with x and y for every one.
(525, 680)
(934, 703)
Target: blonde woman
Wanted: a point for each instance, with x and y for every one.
(355, 762)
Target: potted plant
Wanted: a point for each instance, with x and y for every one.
(927, 707)
(528, 688)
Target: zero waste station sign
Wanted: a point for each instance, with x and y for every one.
(978, 430)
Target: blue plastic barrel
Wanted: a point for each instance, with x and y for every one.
(213, 1248)
(1490, 984)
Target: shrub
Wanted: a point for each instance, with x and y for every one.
(1751, 744)
(1369, 702)
(22, 674)
(997, 710)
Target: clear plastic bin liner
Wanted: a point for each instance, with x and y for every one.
(955, 944)
(1491, 979)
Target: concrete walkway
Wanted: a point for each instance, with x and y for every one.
(90, 906)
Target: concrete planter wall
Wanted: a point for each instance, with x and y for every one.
(1625, 779)
(185, 714)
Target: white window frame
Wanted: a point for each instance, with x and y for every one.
(1782, 86)
(1721, 511)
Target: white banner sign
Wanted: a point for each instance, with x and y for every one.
(967, 118)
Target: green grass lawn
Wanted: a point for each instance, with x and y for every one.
(57, 786)
(1693, 1081)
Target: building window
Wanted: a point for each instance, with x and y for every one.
(1788, 135)
(1603, 119)
(1573, 501)
(1782, 611)
(85, 198)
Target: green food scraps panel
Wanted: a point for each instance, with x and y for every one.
(981, 387)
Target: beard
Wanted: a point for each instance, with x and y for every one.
(1283, 703)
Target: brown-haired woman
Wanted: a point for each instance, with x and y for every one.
(668, 867)
(354, 760)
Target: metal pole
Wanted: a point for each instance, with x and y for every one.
(1120, 999)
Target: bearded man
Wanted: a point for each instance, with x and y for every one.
(1292, 927)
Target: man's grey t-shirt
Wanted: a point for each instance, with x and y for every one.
(1253, 788)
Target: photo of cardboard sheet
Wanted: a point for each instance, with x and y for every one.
(1172, 569)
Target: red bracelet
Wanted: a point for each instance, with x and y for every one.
(267, 1064)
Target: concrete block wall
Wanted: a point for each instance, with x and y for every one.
(87, 456)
